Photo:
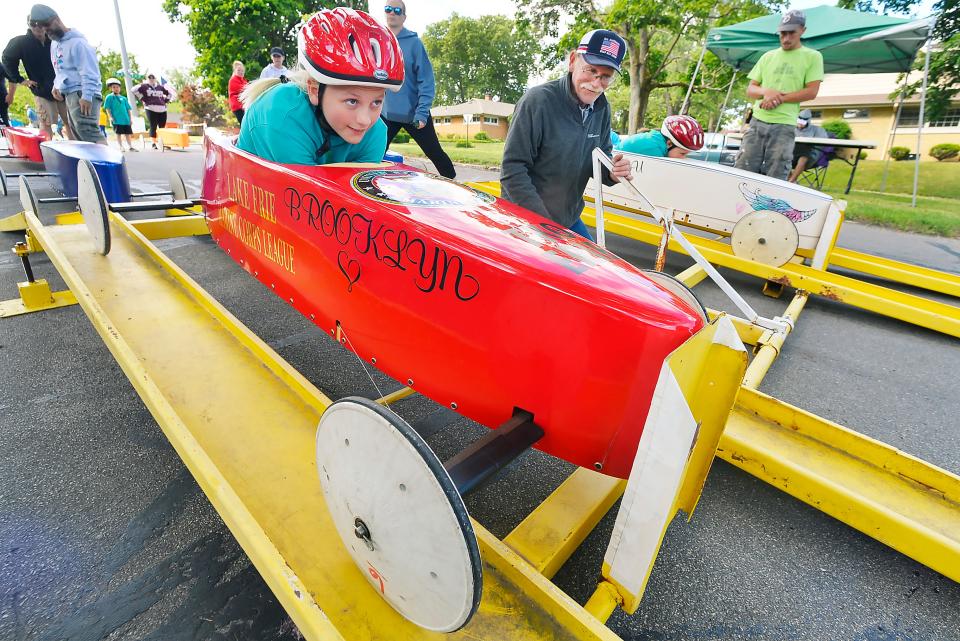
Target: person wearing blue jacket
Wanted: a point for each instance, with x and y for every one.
(409, 108)
(78, 74)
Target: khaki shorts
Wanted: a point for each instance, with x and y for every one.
(48, 110)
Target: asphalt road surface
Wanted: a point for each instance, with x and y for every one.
(105, 535)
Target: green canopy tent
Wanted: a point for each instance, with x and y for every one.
(850, 42)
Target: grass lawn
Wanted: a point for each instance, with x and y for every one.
(937, 216)
(938, 179)
(487, 154)
(938, 202)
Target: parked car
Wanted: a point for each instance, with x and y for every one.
(718, 148)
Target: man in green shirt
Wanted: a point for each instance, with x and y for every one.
(780, 81)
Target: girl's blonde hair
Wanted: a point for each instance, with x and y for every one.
(259, 87)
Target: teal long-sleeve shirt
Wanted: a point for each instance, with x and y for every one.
(280, 126)
(649, 143)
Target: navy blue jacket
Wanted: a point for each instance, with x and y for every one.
(412, 103)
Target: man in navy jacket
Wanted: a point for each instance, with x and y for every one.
(409, 108)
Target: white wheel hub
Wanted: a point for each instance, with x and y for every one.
(399, 514)
(766, 237)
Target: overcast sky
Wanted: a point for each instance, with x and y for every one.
(159, 45)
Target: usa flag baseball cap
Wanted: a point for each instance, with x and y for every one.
(603, 47)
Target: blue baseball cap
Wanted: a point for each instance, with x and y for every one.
(602, 47)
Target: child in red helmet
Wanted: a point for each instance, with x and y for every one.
(328, 110)
(678, 136)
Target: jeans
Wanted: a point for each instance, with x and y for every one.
(580, 228)
(426, 138)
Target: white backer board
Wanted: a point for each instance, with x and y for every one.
(657, 477)
(715, 196)
(648, 502)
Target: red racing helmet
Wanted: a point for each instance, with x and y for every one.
(683, 131)
(346, 47)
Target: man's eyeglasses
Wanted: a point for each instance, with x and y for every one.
(396, 10)
(605, 78)
(37, 23)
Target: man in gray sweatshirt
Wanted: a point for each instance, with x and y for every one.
(555, 128)
(77, 78)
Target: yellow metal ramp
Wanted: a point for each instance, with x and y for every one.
(887, 494)
(244, 423)
(897, 271)
(910, 308)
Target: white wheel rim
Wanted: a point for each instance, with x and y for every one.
(178, 188)
(425, 561)
(683, 292)
(93, 205)
(766, 237)
(27, 198)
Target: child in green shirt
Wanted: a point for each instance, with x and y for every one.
(118, 109)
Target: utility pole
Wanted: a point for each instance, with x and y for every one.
(126, 62)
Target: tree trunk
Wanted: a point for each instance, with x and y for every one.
(639, 83)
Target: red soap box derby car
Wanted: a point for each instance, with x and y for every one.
(476, 303)
(24, 142)
(501, 315)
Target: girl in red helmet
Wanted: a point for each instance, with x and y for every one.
(328, 110)
(678, 136)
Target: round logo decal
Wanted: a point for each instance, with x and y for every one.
(417, 189)
(380, 74)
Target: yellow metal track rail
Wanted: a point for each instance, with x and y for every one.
(243, 421)
(914, 275)
(916, 310)
(887, 494)
(899, 500)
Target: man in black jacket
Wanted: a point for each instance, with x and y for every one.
(4, 105)
(33, 50)
(547, 159)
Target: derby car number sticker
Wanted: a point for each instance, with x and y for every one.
(416, 189)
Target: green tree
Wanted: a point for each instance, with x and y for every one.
(180, 77)
(111, 65)
(226, 30)
(944, 78)
(652, 30)
(22, 99)
(472, 57)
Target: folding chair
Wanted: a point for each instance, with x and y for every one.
(814, 175)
